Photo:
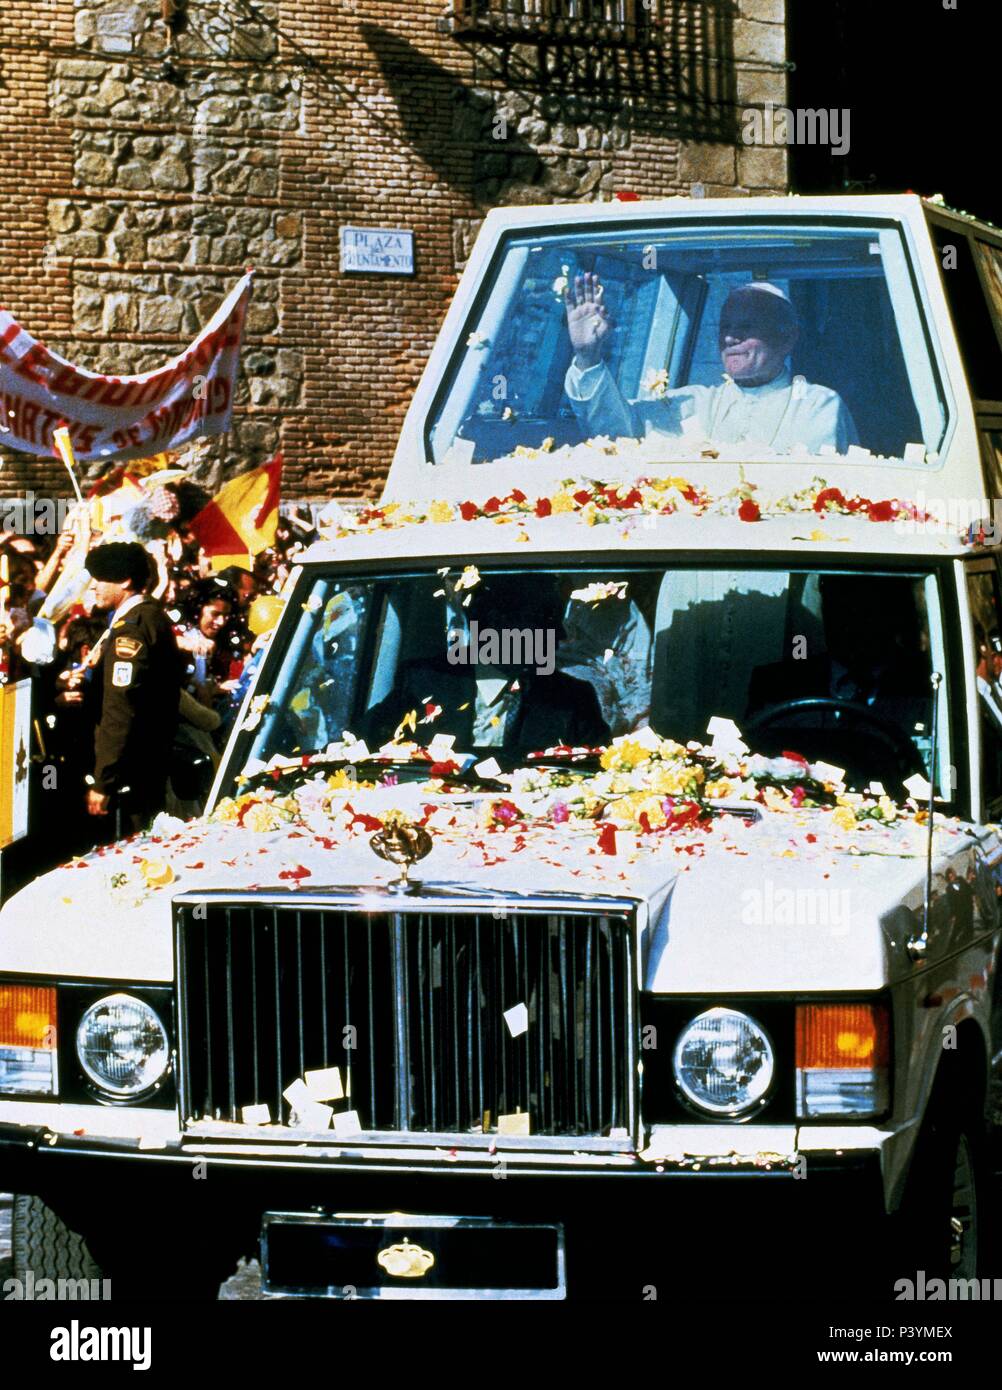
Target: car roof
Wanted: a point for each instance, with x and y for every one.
(527, 540)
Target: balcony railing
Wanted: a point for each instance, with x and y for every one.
(633, 23)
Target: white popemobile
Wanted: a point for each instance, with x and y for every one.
(612, 813)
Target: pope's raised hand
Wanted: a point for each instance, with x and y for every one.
(588, 322)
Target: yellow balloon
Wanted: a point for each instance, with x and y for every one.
(264, 613)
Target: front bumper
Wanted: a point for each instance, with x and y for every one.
(628, 1224)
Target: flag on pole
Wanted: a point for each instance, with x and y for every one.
(125, 487)
(242, 518)
(132, 472)
(119, 417)
(64, 448)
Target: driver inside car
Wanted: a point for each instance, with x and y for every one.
(493, 692)
(865, 697)
(759, 401)
(866, 661)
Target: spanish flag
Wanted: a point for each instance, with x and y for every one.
(242, 518)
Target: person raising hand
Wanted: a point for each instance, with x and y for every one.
(588, 322)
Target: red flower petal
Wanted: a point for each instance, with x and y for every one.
(881, 511)
(749, 510)
(829, 496)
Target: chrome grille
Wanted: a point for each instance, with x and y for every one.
(411, 1004)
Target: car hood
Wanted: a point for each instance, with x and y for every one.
(755, 901)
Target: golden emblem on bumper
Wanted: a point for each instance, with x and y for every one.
(405, 1261)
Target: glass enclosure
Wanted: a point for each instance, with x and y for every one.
(757, 340)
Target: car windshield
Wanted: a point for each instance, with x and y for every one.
(833, 665)
(771, 340)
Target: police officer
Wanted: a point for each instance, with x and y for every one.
(138, 675)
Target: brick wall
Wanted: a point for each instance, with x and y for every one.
(141, 174)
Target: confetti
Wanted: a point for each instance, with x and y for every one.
(517, 1020)
(597, 593)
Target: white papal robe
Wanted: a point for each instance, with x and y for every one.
(786, 413)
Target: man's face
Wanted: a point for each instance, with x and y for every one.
(108, 593)
(753, 347)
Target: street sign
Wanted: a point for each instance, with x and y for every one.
(377, 250)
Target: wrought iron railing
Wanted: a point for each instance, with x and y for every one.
(630, 22)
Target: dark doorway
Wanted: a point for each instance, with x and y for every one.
(920, 80)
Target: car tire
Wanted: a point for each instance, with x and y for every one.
(943, 1224)
(43, 1244)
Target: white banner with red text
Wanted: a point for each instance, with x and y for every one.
(110, 418)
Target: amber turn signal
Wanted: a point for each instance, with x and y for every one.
(843, 1059)
(27, 1016)
(842, 1036)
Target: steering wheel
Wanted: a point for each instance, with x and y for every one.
(885, 732)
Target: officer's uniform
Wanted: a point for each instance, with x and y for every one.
(139, 677)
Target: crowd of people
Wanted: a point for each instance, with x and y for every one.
(109, 747)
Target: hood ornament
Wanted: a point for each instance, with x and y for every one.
(401, 842)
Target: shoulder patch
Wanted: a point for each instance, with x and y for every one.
(129, 647)
(121, 674)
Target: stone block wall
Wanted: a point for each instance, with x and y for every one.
(141, 172)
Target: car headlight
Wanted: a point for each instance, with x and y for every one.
(122, 1045)
(724, 1062)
